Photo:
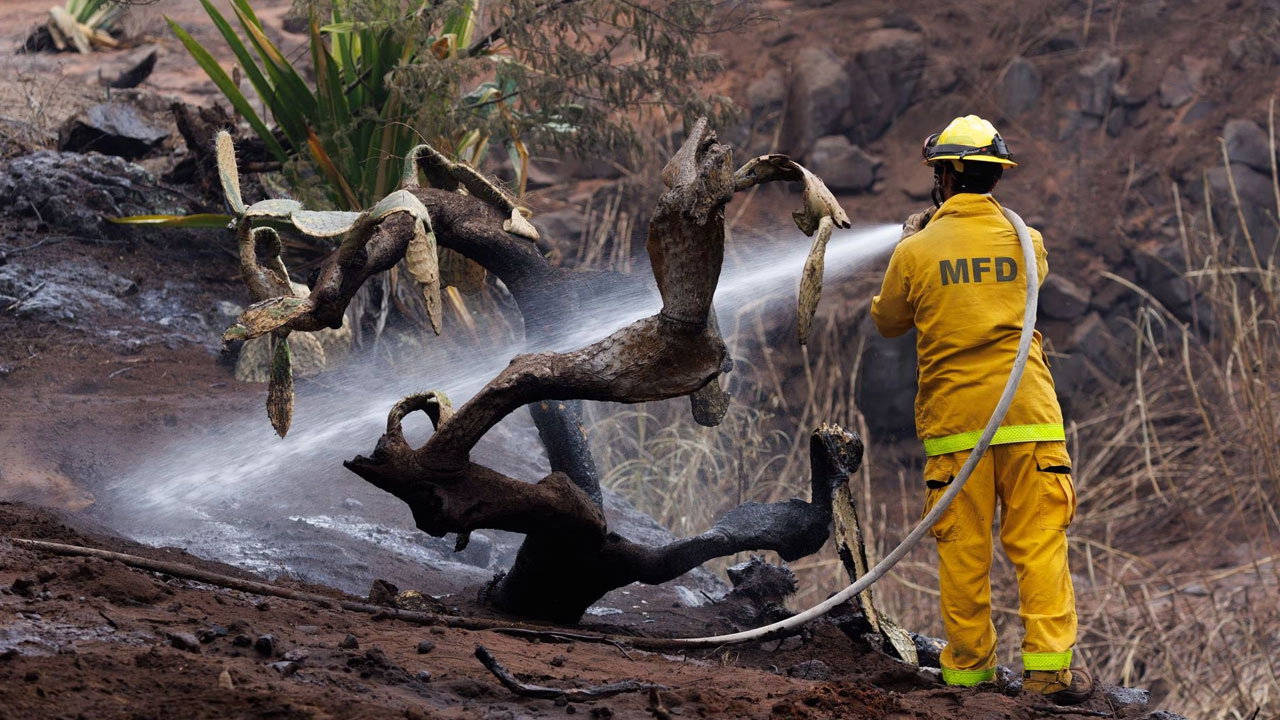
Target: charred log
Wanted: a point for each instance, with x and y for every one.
(570, 558)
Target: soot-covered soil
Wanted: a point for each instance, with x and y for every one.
(83, 637)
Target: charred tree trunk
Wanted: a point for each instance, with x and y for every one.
(569, 558)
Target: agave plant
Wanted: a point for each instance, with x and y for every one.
(81, 25)
(354, 125)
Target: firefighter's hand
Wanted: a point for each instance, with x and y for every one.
(916, 222)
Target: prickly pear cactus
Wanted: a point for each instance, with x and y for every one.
(270, 351)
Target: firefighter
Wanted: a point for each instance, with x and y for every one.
(957, 279)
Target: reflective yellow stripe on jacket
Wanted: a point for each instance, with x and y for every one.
(1005, 434)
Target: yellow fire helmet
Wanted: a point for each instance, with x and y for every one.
(967, 138)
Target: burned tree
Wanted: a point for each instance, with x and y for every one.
(569, 558)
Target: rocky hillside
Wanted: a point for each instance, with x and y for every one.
(1108, 107)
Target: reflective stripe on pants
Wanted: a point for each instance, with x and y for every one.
(1031, 483)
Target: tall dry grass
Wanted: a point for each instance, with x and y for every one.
(1176, 546)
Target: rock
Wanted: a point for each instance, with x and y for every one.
(762, 582)
(886, 386)
(559, 661)
(1095, 84)
(810, 670)
(425, 647)
(23, 586)
(382, 592)
(928, 650)
(224, 680)
(883, 75)
(423, 676)
(209, 634)
(766, 96)
(1249, 144)
(241, 641)
(184, 641)
(60, 293)
(265, 645)
(111, 129)
(1257, 201)
(1182, 81)
(284, 667)
(1019, 87)
(1125, 698)
(298, 655)
(352, 504)
(1162, 715)
(1093, 340)
(1061, 299)
(818, 98)
(74, 192)
(1161, 274)
(308, 629)
(842, 165)
(349, 642)
(1008, 680)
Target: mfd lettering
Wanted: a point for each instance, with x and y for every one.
(961, 270)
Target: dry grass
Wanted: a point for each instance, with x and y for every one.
(1176, 547)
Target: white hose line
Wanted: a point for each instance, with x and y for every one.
(913, 538)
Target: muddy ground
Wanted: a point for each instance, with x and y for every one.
(91, 638)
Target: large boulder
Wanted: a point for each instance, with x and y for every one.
(886, 389)
(73, 192)
(884, 74)
(111, 129)
(1096, 82)
(1019, 88)
(818, 98)
(1090, 358)
(1247, 143)
(1257, 205)
(842, 165)
(766, 95)
(766, 102)
(1182, 81)
(1061, 299)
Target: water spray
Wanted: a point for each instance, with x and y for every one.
(913, 538)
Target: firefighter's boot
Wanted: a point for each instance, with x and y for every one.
(1064, 687)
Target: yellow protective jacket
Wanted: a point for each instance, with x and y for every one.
(960, 283)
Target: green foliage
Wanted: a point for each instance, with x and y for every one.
(560, 75)
(353, 125)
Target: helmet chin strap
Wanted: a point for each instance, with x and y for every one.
(936, 193)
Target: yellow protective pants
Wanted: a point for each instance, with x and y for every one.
(1032, 483)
